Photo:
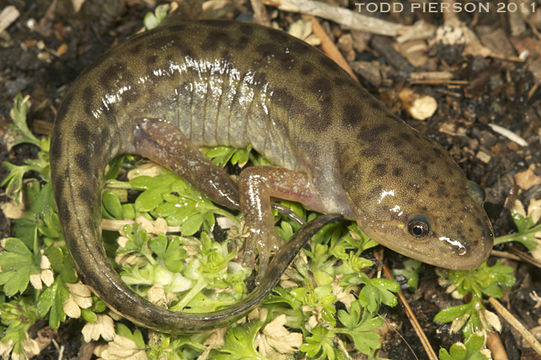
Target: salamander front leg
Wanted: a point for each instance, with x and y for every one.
(256, 187)
(165, 144)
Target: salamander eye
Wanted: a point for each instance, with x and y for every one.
(419, 226)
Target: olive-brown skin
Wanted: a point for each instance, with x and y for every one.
(232, 83)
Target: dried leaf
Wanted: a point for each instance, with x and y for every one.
(527, 178)
(103, 327)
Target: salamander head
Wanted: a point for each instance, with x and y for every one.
(417, 202)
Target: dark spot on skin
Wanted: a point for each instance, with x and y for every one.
(287, 61)
(345, 81)
(424, 169)
(470, 230)
(405, 136)
(351, 115)
(426, 182)
(372, 151)
(246, 29)
(226, 55)
(87, 196)
(241, 43)
(151, 60)
(397, 171)
(307, 69)
(411, 158)
(176, 28)
(81, 133)
(136, 49)
(282, 98)
(374, 133)
(479, 223)
(83, 161)
(379, 169)
(299, 47)
(63, 211)
(183, 48)
(260, 80)
(268, 49)
(376, 191)
(442, 191)
(215, 40)
(322, 85)
(159, 42)
(375, 104)
(277, 36)
(438, 152)
(328, 63)
(396, 142)
(105, 133)
(317, 121)
(219, 23)
(114, 72)
(59, 185)
(130, 96)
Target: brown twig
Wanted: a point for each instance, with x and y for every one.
(523, 256)
(494, 343)
(329, 48)
(516, 324)
(411, 316)
(260, 13)
(350, 19)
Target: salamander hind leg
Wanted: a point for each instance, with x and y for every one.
(256, 187)
(165, 144)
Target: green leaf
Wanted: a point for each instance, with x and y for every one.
(239, 343)
(174, 255)
(468, 351)
(360, 327)
(17, 264)
(526, 232)
(152, 20)
(61, 263)
(136, 336)
(46, 300)
(452, 313)
(192, 225)
(16, 246)
(319, 344)
(88, 315)
(51, 301)
(159, 245)
(18, 114)
(112, 205)
(410, 272)
(148, 200)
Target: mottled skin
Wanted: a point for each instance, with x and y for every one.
(339, 150)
